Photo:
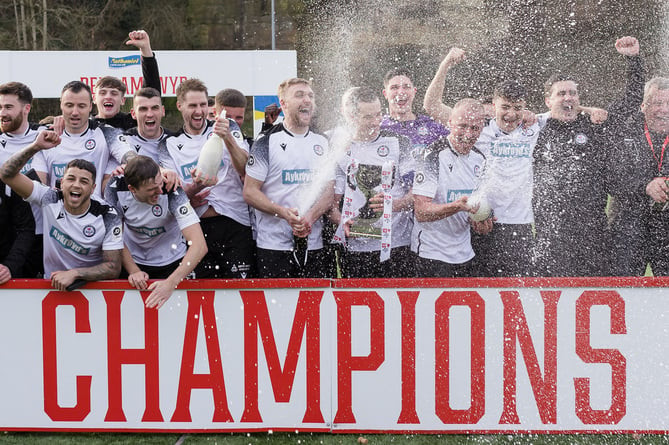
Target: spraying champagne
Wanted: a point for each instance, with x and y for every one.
(210, 156)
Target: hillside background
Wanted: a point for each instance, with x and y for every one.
(341, 43)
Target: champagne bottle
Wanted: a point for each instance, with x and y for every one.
(211, 154)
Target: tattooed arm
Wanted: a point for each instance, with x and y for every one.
(10, 170)
(108, 269)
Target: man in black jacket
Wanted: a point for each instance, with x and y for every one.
(573, 176)
(639, 210)
(17, 235)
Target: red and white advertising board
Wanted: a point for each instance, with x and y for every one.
(483, 356)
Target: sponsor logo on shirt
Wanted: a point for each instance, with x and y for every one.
(122, 62)
(26, 168)
(67, 242)
(511, 150)
(148, 231)
(187, 168)
(454, 195)
(183, 210)
(420, 178)
(58, 170)
(300, 176)
(251, 161)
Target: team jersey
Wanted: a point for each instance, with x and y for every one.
(74, 241)
(386, 147)
(446, 176)
(141, 145)
(152, 232)
(181, 152)
(232, 187)
(287, 165)
(12, 143)
(507, 182)
(421, 132)
(98, 144)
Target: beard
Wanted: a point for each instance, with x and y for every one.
(12, 125)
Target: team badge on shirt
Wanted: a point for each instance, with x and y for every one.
(157, 210)
(318, 150)
(581, 139)
(422, 130)
(477, 170)
(90, 144)
(89, 231)
(383, 151)
(527, 132)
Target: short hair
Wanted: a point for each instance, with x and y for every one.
(147, 92)
(140, 169)
(19, 90)
(654, 84)
(473, 104)
(555, 78)
(77, 86)
(188, 85)
(230, 97)
(83, 165)
(511, 90)
(283, 86)
(211, 101)
(353, 96)
(111, 82)
(394, 73)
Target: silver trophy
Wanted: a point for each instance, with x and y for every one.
(367, 179)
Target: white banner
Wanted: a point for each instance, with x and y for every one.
(252, 72)
(482, 356)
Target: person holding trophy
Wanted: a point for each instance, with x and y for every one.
(374, 178)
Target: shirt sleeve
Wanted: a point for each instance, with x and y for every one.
(113, 239)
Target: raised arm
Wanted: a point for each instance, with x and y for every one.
(150, 73)
(633, 96)
(433, 102)
(10, 172)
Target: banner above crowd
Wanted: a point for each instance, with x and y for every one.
(255, 73)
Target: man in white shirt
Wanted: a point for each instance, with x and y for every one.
(84, 236)
(180, 152)
(441, 189)
(281, 172)
(162, 236)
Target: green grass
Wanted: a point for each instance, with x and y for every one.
(327, 439)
